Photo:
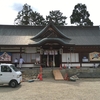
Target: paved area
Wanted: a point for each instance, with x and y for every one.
(49, 89)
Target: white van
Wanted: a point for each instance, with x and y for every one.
(10, 75)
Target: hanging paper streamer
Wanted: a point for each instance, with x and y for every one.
(47, 60)
(54, 60)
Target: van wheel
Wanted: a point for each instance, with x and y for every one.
(13, 84)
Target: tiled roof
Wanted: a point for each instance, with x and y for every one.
(17, 35)
(22, 35)
(88, 35)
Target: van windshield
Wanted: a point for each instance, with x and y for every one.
(13, 67)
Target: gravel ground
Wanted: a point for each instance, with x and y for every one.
(49, 89)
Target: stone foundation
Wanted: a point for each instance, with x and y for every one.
(83, 72)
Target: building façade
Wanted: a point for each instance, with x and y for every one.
(50, 45)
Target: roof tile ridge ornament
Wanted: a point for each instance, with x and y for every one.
(50, 21)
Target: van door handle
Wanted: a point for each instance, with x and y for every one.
(0, 74)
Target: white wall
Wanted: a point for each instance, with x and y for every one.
(70, 57)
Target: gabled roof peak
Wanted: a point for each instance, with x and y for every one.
(48, 30)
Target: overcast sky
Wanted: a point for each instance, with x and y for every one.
(9, 9)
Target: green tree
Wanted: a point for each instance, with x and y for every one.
(27, 17)
(37, 19)
(80, 16)
(56, 17)
(23, 17)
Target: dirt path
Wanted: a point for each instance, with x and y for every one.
(49, 89)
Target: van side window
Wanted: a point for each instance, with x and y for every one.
(5, 69)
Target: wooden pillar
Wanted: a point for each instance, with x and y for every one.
(20, 51)
(80, 59)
